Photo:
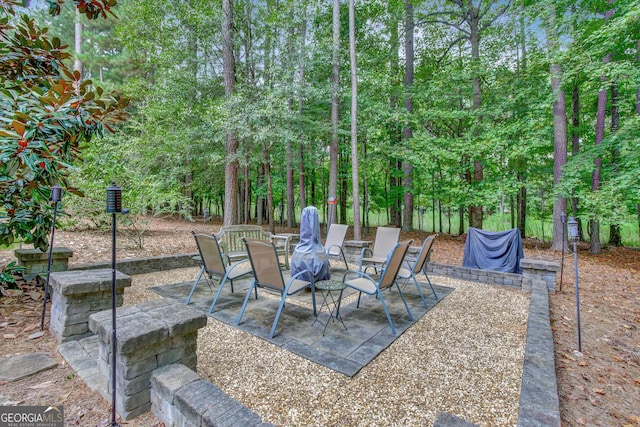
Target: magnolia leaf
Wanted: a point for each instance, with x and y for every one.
(18, 127)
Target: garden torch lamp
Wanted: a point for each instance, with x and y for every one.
(114, 206)
(574, 236)
(56, 196)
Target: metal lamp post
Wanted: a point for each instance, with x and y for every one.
(574, 236)
(114, 206)
(56, 196)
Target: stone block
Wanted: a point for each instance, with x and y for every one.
(135, 385)
(195, 398)
(129, 372)
(167, 380)
(85, 282)
(176, 354)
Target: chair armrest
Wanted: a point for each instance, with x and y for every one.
(356, 273)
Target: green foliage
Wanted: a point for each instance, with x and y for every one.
(46, 113)
(8, 273)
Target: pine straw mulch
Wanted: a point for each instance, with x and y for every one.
(600, 386)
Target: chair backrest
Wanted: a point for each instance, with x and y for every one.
(209, 250)
(425, 254)
(265, 264)
(386, 239)
(335, 235)
(393, 264)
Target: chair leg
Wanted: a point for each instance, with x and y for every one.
(419, 290)
(359, 295)
(195, 284)
(386, 311)
(404, 301)
(429, 281)
(215, 299)
(275, 321)
(246, 299)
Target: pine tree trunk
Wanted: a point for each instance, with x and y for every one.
(231, 144)
(407, 220)
(355, 176)
(615, 237)
(333, 150)
(559, 128)
(475, 214)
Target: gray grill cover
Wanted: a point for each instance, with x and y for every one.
(498, 251)
(309, 253)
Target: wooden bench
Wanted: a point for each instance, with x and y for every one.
(230, 238)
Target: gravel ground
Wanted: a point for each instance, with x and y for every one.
(471, 341)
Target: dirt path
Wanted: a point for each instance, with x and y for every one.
(600, 386)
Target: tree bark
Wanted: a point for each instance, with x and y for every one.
(231, 143)
(596, 245)
(615, 236)
(407, 220)
(355, 176)
(559, 128)
(289, 143)
(575, 147)
(335, 87)
(473, 18)
(301, 81)
(77, 38)
(638, 113)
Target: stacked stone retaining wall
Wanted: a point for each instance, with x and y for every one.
(179, 397)
(149, 335)
(76, 295)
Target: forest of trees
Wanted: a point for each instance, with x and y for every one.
(252, 110)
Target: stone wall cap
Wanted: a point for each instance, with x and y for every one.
(540, 264)
(75, 282)
(25, 254)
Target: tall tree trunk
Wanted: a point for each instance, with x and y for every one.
(393, 203)
(638, 113)
(521, 167)
(77, 62)
(301, 81)
(289, 143)
(575, 145)
(615, 236)
(335, 99)
(231, 142)
(559, 127)
(355, 175)
(473, 18)
(407, 220)
(596, 245)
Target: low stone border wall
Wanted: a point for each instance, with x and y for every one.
(533, 270)
(179, 397)
(145, 265)
(539, 403)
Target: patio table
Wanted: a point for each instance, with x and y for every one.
(332, 304)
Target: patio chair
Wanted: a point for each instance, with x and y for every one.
(413, 267)
(386, 240)
(362, 282)
(334, 241)
(215, 264)
(268, 274)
